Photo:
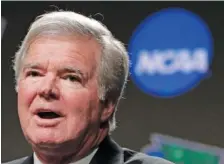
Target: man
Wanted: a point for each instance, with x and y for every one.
(70, 73)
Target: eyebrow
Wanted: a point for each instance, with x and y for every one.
(68, 69)
(31, 65)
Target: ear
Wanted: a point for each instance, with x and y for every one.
(107, 110)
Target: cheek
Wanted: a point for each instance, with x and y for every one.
(25, 98)
(26, 94)
(77, 101)
(76, 105)
(82, 105)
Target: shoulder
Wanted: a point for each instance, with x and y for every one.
(16, 161)
(132, 157)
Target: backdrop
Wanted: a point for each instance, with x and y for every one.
(196, 115)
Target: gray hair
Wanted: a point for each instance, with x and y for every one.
(114, 63)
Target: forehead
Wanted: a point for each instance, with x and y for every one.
(61, 50)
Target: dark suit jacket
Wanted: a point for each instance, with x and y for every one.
(110, 152)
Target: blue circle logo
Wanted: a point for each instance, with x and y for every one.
(171, 52)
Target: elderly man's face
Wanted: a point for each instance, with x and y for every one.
(58, 90)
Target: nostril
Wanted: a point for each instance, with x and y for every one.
(53, 95)
(49, 95)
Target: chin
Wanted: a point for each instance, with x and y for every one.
(45, 138)
(52, 146)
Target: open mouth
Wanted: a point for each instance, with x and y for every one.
(48, 115)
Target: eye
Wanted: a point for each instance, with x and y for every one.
(72, 78)
(33, 73)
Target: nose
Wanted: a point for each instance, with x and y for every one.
(48, 88)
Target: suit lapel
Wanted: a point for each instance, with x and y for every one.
(109, 152)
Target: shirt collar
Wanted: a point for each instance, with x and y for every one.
(85, 160)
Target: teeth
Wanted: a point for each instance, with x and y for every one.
(48, 115)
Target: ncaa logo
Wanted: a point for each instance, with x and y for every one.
(171, 52)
